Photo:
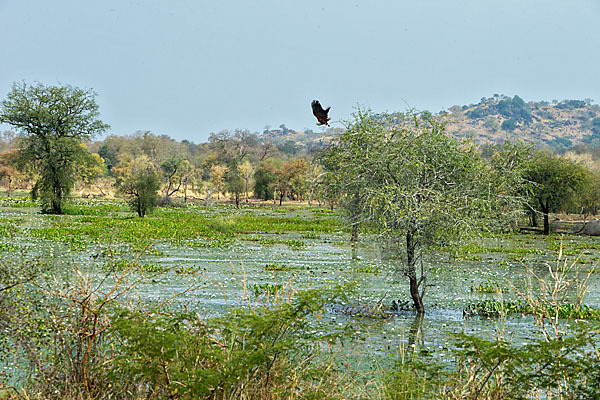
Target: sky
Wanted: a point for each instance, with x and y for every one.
(186, 68)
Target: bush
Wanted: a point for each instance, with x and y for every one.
(142, 190)
(509, 125)
(250, 353)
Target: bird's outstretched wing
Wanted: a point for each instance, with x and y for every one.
(320, 113)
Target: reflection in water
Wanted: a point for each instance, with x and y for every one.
(415, 335)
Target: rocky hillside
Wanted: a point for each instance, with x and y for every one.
(556, 125)
(500, 118)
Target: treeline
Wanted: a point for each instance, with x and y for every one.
(53, 152)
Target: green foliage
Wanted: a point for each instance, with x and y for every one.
(180, 226)
(249, 353)
(277, 267)
(509, 125)
(488, 286)
(264, 181)
(496, 369)
(52, 121)
(514, 109)
(496, 308)
(555, 181)
(412, 182)
(234, 183)
(142, 190)
(266, 289)
(368, 269)
(571, 104)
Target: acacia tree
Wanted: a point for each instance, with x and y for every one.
(52, 121)
(414, 183)
(555, 181)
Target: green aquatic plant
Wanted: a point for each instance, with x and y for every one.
(266, 289)
(276, 266)
(186, 270)
(368, 269)
(488, 286)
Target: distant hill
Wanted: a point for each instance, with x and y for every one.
(556, 125)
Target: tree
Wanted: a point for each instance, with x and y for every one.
(52, 121)
(246, 172)
(234, 183)
(217, 178)
(413, 183)
(289, 178)
(263, 182)
(138, 181)
(7, 168)
(90, 167)
(172, 175)
(554, 183)
(509, 125)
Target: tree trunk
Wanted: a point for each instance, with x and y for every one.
(546, 224)
(411, 263)
(546, 210)
(185, 191)
(354, 232)
(56, 207)
(532, 217)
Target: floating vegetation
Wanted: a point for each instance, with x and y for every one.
(368, 269)
(310, 235)
(437, 270)
(470, 257)
(488, 286)
(295, 244)
(17, 202)
(122, 265)
(292, 243)
(9, 247)
(7, 228)
(178, 226)
(186, 270)
(479, 248)
(276, 266)
(496, 308)
(212, 243)
(152, 268)
(266, 289)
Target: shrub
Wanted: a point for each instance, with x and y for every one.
(142, 190)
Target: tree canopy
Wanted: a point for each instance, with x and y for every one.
(412, 182)
(554, 182)
(52, 121)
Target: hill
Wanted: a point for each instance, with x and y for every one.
(556, 125)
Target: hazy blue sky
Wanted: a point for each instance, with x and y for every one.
(188, 68)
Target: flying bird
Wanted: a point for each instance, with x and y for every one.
(320, 113)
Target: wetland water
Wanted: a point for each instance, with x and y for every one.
(230, 273)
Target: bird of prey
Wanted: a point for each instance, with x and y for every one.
(320, 113)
